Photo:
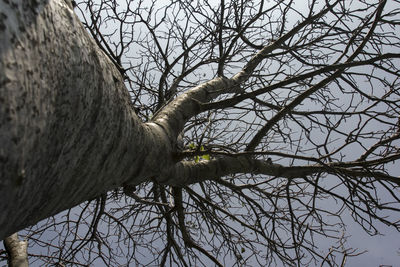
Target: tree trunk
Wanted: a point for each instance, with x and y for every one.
(16, 251)
(67, 130)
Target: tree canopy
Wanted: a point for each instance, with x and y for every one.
(281, 117)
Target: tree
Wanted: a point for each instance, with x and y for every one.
(197, 131)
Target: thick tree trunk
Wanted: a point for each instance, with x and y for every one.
(67, 130)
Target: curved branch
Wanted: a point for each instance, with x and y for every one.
(246, 72)
(229, 102)
(173, 117)
(263, 131)
(188, 241)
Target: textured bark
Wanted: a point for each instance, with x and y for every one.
(190, 172)
(16, 251)
(173, 117)
(67, 130)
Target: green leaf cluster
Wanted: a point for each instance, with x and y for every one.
(193, 146)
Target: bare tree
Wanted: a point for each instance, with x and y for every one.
(249, 130)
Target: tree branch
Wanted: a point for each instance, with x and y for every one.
(189, 172)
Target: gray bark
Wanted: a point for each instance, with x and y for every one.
(16, 251)
(190, 172)
(67, 130)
